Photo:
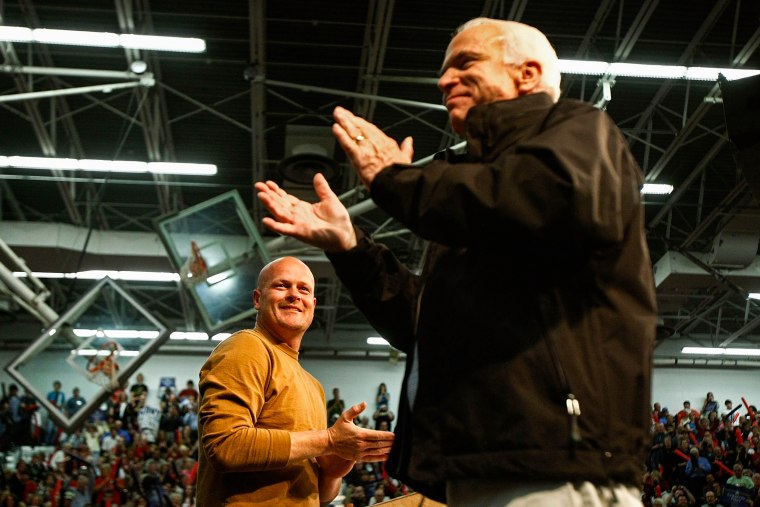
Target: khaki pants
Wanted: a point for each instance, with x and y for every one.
(491, 493)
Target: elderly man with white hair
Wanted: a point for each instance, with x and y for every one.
(534, 310)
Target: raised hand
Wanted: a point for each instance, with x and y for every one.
(324, 224)
(369, 149)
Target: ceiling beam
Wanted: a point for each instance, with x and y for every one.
(256, 74)
(630, 39)
(151, 104)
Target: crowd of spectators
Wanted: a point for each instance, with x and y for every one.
(707, 457)
(136, 449)
(133, 450)
(131, 453)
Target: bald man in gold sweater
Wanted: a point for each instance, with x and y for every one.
(262, 426)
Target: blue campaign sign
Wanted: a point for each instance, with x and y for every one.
(735, 496)
(167, 382)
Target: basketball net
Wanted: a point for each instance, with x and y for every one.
(103, 367)
(195, 269)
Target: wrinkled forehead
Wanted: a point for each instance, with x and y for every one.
(476, 39)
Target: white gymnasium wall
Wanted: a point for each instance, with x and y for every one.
(672, 386)
(357, 379)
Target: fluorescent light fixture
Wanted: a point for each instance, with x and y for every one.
(643, 70)
(16, 34)
(377, 340)
(132, 276)
(720, 351)
(188, 335)
(754, 295)
(116, 333)
(656, 189)
(160, 43)
(76, 38)
(220, 337)
(117, 166)
(213, 279)
(93, 352)
(64, 164)
(113, 166)
(102, 39)
(181, 168)
(596, 68)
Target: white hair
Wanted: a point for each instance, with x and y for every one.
(522, 43)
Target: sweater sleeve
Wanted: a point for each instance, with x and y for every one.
(574, 179)
(233, 385)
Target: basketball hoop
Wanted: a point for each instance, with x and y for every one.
(103, 367)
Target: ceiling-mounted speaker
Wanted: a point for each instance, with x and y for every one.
(308, 150)
(741, 106)
(302, 167)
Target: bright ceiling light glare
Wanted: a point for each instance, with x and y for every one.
(76, 38)
(656, 189)
(732, 74)
(16, 34)
(182, 168)
(214, 279)
(720, 351)
(138, 66)
(220, 337)
(377, 340)
(586, 68)
(645, 70)
(188, 335)
(131, 276)
(102, 39)
(116, 166)
(117, 333)
(113, 166)
(63, 164)
(753, 295)
(160, 43)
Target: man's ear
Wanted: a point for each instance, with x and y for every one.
(256, 296)
(529, 77)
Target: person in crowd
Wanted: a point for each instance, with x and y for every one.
(657, 447)
(686, 411)
(383, 396)
(335, 407)
(82, 488)
(696, 470)
(383, 415)
(189, 392)
(711, 500)
(656, 408)
(190, 423)
(57, 398)
(139, 387)
(74, 403)
(542, 217)
(710, 404)
(262, 422)
(739, 479)
(379, 496)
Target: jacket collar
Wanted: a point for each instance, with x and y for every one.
(494, 127)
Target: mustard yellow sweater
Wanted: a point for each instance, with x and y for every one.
(253, 393)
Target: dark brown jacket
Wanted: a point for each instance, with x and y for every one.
(537, 288)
